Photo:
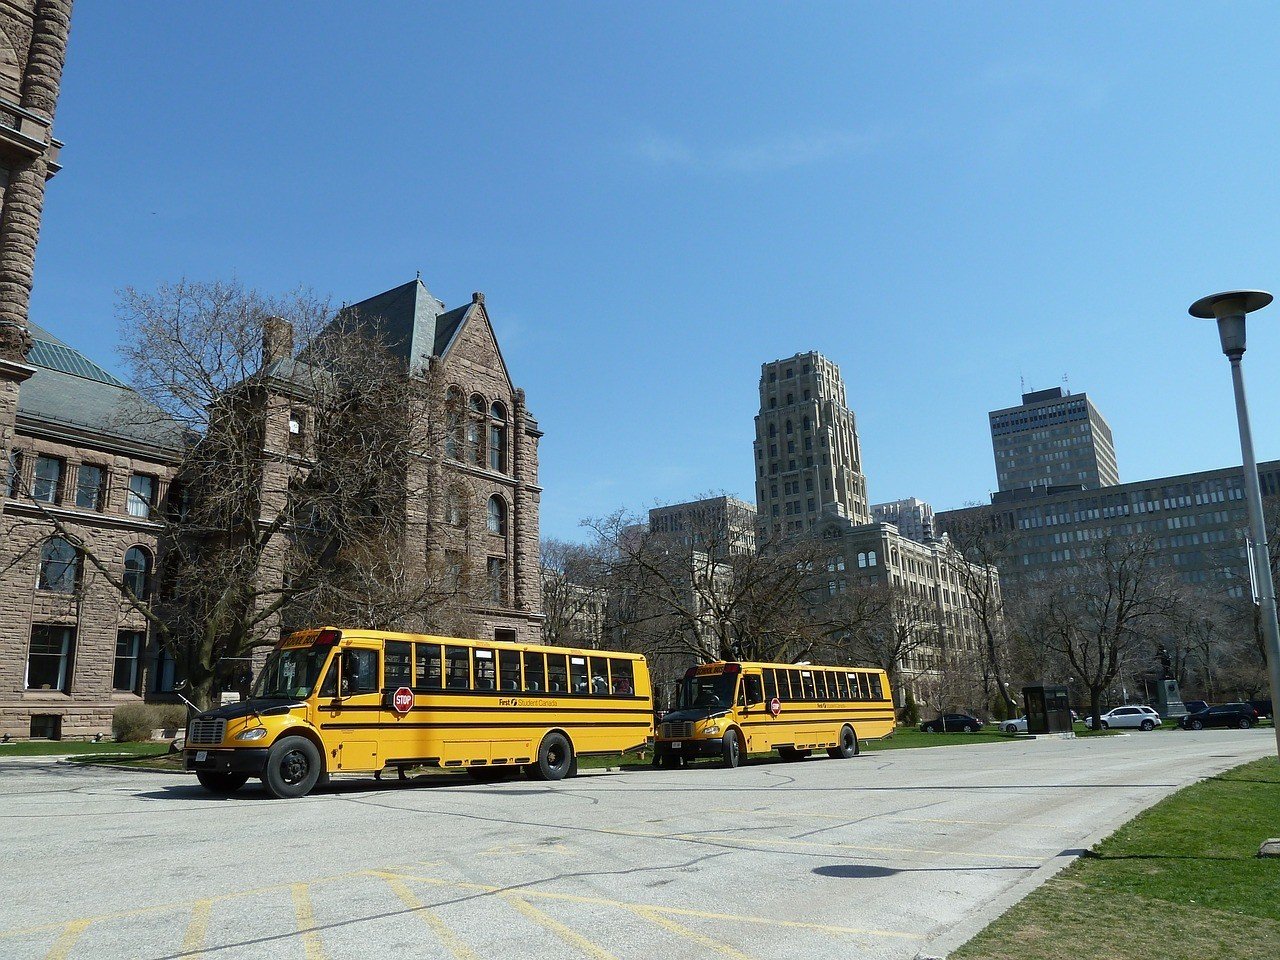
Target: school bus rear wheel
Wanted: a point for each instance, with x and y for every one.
(221, 782)
(848, 746)
(555, 758)
(293, 767)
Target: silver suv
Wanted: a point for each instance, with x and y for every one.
(1138, 718)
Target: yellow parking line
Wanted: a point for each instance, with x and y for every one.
(307, 922)
(657, 908)
(715, 945)
(64, 944)
(569, 936)
(197, 929)
(441, 929)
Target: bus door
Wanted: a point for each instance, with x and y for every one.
(396, 741)
(751, 703)
(355, 714)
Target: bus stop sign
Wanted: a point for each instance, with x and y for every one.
(775, 707)
(402, 700)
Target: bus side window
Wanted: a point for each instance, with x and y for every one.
(842, 681)
(622, 675)
(578, 674)
(509, 669)
(751, 683)
(535, 672)
(427, 659)
(359, 671)
(810, 691)
(329, 688)
(457, 668)
(599, 676)
(862, 686)
(793, 684)
(397, 664)
(484, 671)
(877, 692)
(770, 684)
(557, 674)
(820, 681)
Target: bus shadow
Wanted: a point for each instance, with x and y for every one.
(863, 871)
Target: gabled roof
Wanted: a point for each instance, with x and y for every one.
(69, 390)
(412, 323)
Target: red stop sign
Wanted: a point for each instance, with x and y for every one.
(775, 707)
(402, 700)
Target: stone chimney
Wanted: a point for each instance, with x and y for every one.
(277, 340)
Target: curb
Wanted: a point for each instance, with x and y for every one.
(952, 939)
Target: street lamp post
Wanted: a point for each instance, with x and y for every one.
(1229, 309)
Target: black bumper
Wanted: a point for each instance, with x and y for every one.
(702, 747)
(250, 760)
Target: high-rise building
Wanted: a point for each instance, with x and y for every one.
(913, 518)
(1053, 439)
(1196, 519)
(720, 525)
(808, 458)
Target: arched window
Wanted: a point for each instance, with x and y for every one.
(497, 515)
(59, 566)
(789, 430)
(773, 429)
(498, 438)
(137, 572)
(871, 559)
(475, 429)
(862, 559)
(453, 514)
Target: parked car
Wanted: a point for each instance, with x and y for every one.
(1263, 707)
(1014, 726)
(1195, 706)
(952, 723)
(1242, 715)
(1137, 718)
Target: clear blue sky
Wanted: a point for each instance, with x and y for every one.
(658, 198)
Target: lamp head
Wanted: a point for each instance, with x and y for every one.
(1229, 309)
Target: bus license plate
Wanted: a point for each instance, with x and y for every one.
(676, 744)
(202, 755)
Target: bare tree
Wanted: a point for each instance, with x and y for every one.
(882, 626)
(977, 543)
(306, 452)
(1112, 608)
(575, 579)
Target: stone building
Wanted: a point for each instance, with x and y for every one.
(480, 513)
(84, 470)
(722, 525)
(912, 516)
(808, 457)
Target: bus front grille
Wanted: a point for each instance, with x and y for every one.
(206, 730)
(677, 731)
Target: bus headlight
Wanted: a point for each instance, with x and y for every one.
(711, 731)
(257, 733)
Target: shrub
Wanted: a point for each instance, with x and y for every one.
(910, 710)
(133, 722)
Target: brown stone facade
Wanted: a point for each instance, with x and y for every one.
(76, 697)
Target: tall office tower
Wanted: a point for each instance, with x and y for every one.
(808, 459)
(912, 516)
(1053, 439)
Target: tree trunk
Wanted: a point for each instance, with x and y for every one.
(1095, 707)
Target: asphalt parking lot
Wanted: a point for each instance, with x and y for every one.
(889, 855)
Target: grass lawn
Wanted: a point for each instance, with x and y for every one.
(50, 748)
(1180, 882)
(905, 738)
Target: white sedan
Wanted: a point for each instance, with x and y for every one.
(1137, 718)
(1014, 726)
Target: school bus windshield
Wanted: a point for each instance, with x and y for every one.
(707, 693)
(291, 673)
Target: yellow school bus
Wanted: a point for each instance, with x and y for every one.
(357, 701)
(727, 710)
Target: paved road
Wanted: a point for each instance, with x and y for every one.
(884, 856)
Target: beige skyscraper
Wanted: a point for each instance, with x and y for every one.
(808, 459)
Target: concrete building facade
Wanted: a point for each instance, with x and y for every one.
(1197, 520)
(912, 516)
(723, 525)
(807, 454)
(1052, 439)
